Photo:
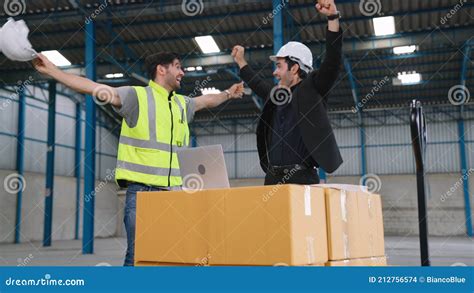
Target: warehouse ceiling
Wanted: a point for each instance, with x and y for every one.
(128, 31)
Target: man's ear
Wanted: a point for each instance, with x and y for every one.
(160, 69)
(295, 68)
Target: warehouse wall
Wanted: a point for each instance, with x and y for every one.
(36, 128)
(64, 204)
(106, 205)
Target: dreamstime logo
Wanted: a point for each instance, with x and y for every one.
(103, 264)
(457, 185)
(199, 86)
(96, 12)
(281, 95)
(459, 95)
(276, 10)
(375, 89)
(372, 181)
(453, 11)
(14, 183)
(103, 95)
(288, 174)
(21, 86)
(192, 183)
(192, 7)
(459, 264)
(109, 176)
(370, 7)
(203, 261)
(14, 7)
(281, 264)
(24, 262)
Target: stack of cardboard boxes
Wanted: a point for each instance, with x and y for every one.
(283, 225)
(355, 228)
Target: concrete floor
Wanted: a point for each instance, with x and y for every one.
(402, 251)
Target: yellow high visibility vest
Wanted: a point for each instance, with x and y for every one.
(147, 152)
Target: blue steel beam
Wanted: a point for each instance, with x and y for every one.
(355, 96)
(48, 203)
(462, 145)
(77, 166)
(277, 27)
(89, 155)
(20, 159)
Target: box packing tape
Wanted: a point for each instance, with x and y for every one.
(345, 235)
(344, 205)
(310, 249)
(307, 200)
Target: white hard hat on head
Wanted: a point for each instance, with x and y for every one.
(14, 41)
(298, 53)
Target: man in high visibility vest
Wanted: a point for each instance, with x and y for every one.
(155, 125)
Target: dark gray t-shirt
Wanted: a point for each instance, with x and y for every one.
(129, 110)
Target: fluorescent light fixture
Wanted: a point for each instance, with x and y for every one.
(384, 25)
(192, 68)
(404, 49)
(409, 78)
(207, 44)
(56, 58)
(114, 75)
(210, 90)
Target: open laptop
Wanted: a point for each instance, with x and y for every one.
(203, 167)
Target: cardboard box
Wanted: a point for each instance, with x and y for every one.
(380, 261)
(264, 225)
(167, 264)
(355, 224)
(343, 224)
(162, 264)
(172, 227)
(376, 231)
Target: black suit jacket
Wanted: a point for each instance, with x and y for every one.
(309, 101)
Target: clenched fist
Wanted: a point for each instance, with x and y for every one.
(236, 91)
(326, 7)
(238, 53)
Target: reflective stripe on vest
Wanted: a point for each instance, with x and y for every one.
(141, 157)
(147, 169)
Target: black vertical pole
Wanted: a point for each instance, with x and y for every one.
(418, 134)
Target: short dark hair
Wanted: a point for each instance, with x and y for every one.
(162, 58)
(301, 73)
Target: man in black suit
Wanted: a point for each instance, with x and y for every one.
(294, 135)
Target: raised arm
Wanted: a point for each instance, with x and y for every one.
(236, 91)
(105, 93)
(253, 80)
(325, 77)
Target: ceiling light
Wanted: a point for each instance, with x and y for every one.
(114, 75)
(207, 44)
(404, 49)
(384, 25)
(409, 78)
(56, 58)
